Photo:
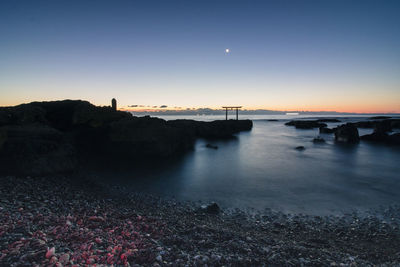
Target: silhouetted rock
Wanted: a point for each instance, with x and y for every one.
(147, 137)
(211, 146)
(365, 124)
(380, 137)
(347, 133)
(325, 130)
(303, 124)
(46, 137)
(300, 148)
(272, 120)
(318, 140)
(394, 139)
(22, 114)
(213, 129)
(385, 125)
(328, 120)
(35, 149)
(395, 124)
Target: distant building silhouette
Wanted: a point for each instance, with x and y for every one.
(114, 104)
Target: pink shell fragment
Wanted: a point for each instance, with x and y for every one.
(50, 252)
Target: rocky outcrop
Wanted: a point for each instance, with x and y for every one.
(381, 131)
(347, 133)
(395, 124)
(35, 149)
(147, 137)
(382, 137)
(48, 137)
(325, 130)
(394, 139)
(303, 124)
(386, 125)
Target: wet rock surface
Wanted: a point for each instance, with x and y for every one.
(325, 130)
(382, 137)
(347, 133)
(381, 124)
(61, 221)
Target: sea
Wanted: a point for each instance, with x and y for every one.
(261, 169)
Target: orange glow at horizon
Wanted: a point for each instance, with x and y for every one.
(339, 109)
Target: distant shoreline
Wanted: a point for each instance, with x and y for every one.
(247, 112)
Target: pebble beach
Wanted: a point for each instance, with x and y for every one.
(74, 221)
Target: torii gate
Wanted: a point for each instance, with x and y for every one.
(231, 108)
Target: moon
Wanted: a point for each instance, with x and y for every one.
(227, 50)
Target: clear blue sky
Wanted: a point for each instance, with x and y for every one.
(303, 55)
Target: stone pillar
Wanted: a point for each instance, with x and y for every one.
(114, 104)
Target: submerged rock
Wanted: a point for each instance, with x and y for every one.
(211, 146)
(300, 148)
(347, 133)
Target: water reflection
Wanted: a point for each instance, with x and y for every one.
(261, 169)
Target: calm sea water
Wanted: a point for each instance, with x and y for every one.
(261, 169)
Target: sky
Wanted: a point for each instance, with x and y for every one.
(283, 55)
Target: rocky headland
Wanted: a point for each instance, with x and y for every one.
(58, 136)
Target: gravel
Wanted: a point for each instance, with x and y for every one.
(74, 221)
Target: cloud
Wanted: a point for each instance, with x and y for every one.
(133, 106)
(163, 106)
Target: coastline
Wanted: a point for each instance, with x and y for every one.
(87, 223)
